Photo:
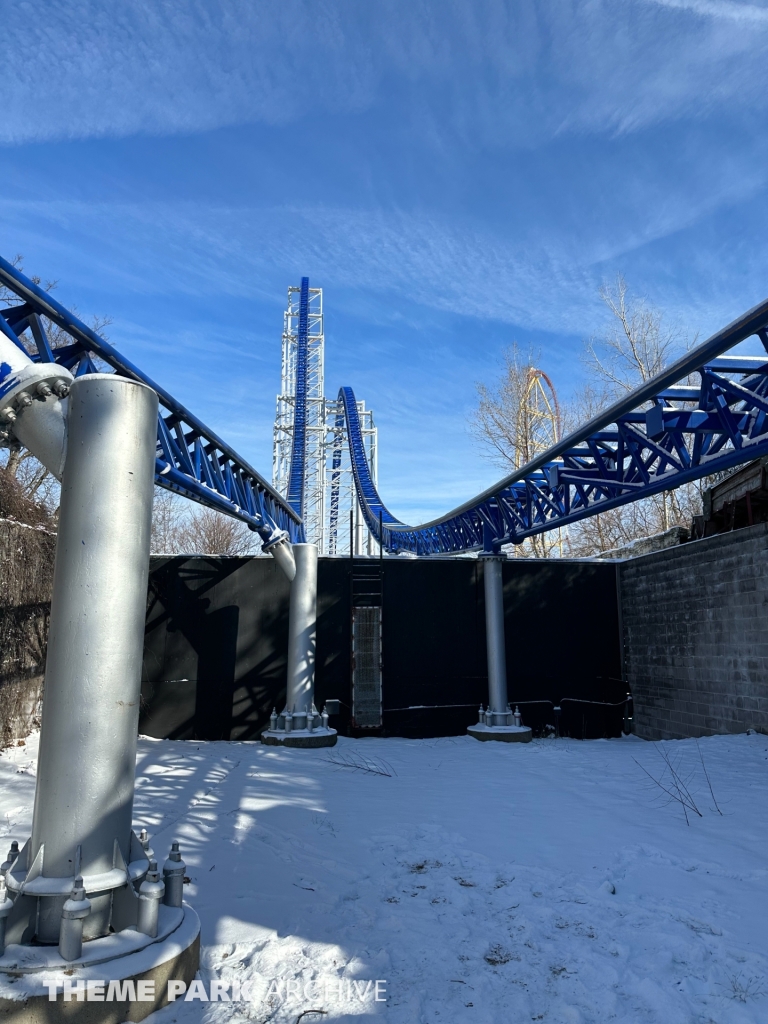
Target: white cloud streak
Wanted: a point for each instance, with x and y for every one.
(508, 72)
(157, 260)
(730, 11)
(544, 280)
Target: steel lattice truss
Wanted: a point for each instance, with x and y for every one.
(297, 478)
(299, 440)
(191, 459)
(706, 413)
(308, 429)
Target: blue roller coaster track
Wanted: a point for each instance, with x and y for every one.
(672, 429)
(191, 459)
(705, 413)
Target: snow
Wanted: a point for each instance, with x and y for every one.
(479, 882)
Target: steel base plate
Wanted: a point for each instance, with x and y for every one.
(504, 733)
(300, 738)
(24, 988)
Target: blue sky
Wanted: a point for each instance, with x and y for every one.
(455, 175)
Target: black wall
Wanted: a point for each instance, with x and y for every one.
(214, 663)
(214, 651)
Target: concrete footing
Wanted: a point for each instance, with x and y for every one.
(504, 733)
(305, 728)
(300, 738)
(121, 988)
(506, 726)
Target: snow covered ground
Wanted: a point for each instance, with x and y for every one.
(478, 882)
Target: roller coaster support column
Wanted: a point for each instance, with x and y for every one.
(302, 631)
(498, 722)
(300, 725)
(82, 845)
(84, 795)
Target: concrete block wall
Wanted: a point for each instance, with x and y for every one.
(695, 636)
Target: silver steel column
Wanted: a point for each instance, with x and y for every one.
(494, 635)
(299, 725)
(86, 768)
(302, 628)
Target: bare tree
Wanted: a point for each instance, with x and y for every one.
(520, 417)
(168, 513)
(16, 503)
(181, 527)
(495, 422)
(208, 532)
(516, 421)
(636, 345)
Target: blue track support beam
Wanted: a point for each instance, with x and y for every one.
(191, 459)
(704, 414)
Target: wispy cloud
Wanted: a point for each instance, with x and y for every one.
(190, 249)
(197, 293)
(727, 9)
(511, 73)
(484, 167)
(543, 279)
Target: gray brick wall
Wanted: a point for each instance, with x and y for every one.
(695, 634)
